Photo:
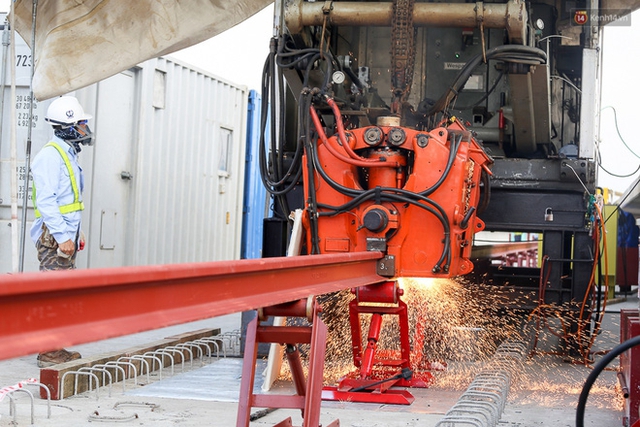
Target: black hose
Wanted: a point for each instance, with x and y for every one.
(391, 194)
(485, 193)
(406, 374)
(278, 178)
(446, 250)
(597, 369)
(485, 96)
(453, 150)
(272, 174)
(306, 138)
(507, 53)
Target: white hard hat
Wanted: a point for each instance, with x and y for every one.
(66, 111)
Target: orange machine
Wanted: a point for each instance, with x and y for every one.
(412, 195)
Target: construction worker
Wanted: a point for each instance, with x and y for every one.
(57, 197)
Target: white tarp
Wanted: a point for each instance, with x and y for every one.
(79, 42)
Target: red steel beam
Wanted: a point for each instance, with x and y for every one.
(44, 311)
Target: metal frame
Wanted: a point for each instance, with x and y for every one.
(629, 374)
(379, 369)
(308, 390)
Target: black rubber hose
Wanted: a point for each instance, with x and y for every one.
(446, 249)
(312, 203)
(362, 195)
(274, 178)
(486, 95)
(507, 53)
(485, 195)
(597, 369)
(453, 151)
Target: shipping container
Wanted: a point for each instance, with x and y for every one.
(256, 206)
(164, 181)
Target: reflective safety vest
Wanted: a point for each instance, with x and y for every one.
(77, 204)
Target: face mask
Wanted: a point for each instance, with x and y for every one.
(76, 135)
(85, 136)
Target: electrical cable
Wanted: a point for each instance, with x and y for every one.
(567, 81)
(486, 95)
(541, 312)
(599, 154)
(312, 204)
(600, 308)
(267, 116)
(271, 166)
(629, 192)
(577, 176)
(615, 175)
(615, 121)
(278, 178)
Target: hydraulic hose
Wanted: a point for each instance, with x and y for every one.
(391, 195)
(278, 178)
(343, 136)
(453, 151)
(507, 53)
(336, 153)
(312, 204)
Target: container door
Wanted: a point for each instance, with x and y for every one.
(112, 175)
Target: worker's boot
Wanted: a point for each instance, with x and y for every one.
(55, 357)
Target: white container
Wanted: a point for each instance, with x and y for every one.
(164, 180)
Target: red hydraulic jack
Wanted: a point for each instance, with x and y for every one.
(308, 392)
(379, 370)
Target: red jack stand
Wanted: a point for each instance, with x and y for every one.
(307, 397)
(376, 376)
(629, 374)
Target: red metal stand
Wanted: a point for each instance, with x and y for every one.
(630, 366)
(308, 391)
(379, 370)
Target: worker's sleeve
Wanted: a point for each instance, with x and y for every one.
(47, 174)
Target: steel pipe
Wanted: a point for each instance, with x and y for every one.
(624, 390)
(511, 16)
(42, 311)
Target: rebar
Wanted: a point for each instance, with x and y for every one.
(12, 405)
(91, 376)
(481, 405)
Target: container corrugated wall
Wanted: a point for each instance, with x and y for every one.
(190, 168)
(9, 253)
(164, 181)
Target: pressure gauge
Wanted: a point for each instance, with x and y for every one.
(539, 24)
(338, 77)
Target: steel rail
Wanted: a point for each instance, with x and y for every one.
(44, 311)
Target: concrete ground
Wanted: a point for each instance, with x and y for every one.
(544, 392)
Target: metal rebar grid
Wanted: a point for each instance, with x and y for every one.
(157, 360)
